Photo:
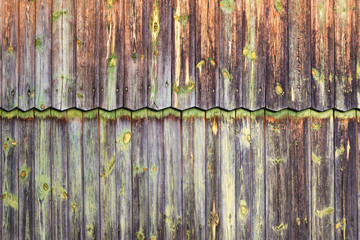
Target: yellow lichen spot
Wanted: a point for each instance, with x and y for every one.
(278, 89)
(154, 169)
(298, 221)
(243, 208)
(324, 212)
(152, 238)
(212, 62)
(23, 174)
(5, 146)
(14, 143)
(316, 159)
(248, 138)
(200, 64)
(73, 207)
(341, 224)
(140, 235)
(280, 228)
(214, 127)
(253, 55)
(127, 137)
(42, 106)
(142, 56)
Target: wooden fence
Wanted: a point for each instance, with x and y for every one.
(179, 175)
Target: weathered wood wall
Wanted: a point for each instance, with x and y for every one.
(179, 175)
(179, 53)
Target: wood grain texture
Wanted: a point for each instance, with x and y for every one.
(59, 177)
(300, 174)
(156, 173)
(26, 54)
(76, 226)
(43, 54)
(322, 57)
(322, 175)
(212, 172)
(357, 57)
(253, 55)
(277, 56)
(135, 54)
(26, 175)
(123, 174)
(299, 89)
(91, 174)
(43, 173)
(207, 54)
(159, 52)
(345, 54)
(242, 174)
(111, 47)
(9, 180)
(193, 180)
(230, 62)
(277, 169)
(173, 174)
(183, 60)
(346, 202)
(63, 54)
(10, 58)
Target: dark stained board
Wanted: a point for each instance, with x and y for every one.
(193, 180)
(43, 48)
(172, 168)
(277, 58)
(183, 60)
(123, 174)
(253, 55)
(43, 173)
(242, 174)
(26, 175)
(135, 54)
(63, 53)
(26, 54)
(207, 54)
(59, 177)
(111, 54)
(91, 174)
(156, 173)
(322, 57)
(322, 175)
(159, 53)
(277, 175)
(9, 179)
(107, 125)
(75, 172)
(345, 54)
(230, 61)
(346, 202)
(300, 175)
(9, 53)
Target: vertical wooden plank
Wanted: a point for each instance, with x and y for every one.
(242, 174)
(183, 60)
(345, 54)
(346, 202)
(357, 56)
(173, 174)
(227, 176)
(63, 52)
(111, 54)
(75, 173)
(26, 54)
(358, 165)
(257, 155)
(123, 173)
(156, 174)
(10, 169)
(43, 54)
(230, 54)
(253, 56)
(299, 93)
(193, 165)
(207, 54)
(27, 186)
(278, 201)
(135, 54)
(59, 175)
(140, 177)
(42, 136)
(159, 54)
(277, 59)
(107, 174)
(10, 60)
(212, 173)
(87, 82)
(91, 174)
(322, 175)
(322, 57)
(300, 174)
